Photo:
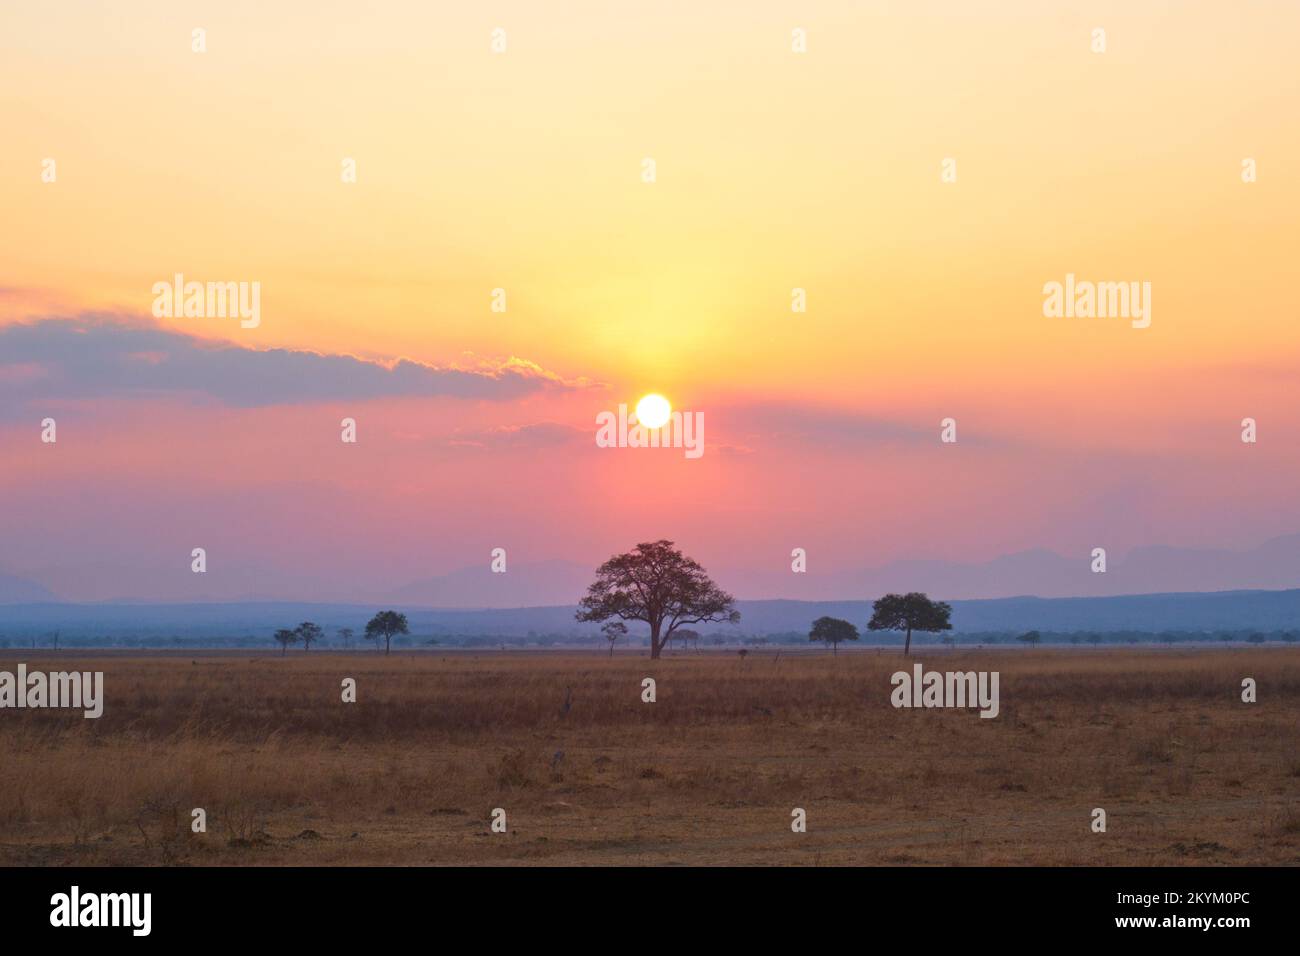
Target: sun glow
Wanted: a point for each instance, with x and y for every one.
(653, 411)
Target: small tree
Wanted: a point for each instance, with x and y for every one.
(285, 638)
(385, 624)
(832, 630)
(613, 630)
(910, 612)
(657, 584)
(688, 638)
(1032, 638)
(309, 634)
(345, 634)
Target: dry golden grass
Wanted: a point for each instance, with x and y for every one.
(709, 774)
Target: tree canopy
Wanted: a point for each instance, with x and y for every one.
(910, 612)
(285, 637)
(658, 585)
(385, 624)
(310, 633)
(832, 630)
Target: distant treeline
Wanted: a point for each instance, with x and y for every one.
(717, 639)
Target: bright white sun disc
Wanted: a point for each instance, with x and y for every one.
(653, 411)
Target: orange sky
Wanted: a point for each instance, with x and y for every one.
(775, 170)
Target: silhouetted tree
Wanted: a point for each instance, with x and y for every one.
(286, 637)
(309, 634)
(613, 630)
(346, 634)
(385, 624)
(832, 630)
(657, 584)
(1032, 638)
(910, 612)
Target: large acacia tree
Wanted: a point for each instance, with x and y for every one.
(910, 612)
(658, 585)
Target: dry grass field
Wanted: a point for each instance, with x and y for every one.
(709, 774)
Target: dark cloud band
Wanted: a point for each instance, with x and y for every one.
(95, 356)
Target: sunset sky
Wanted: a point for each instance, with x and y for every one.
(522, 170)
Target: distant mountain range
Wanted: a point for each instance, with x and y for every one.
(1274, 565)
(1229, 610)
(523, 585)
(21, 591)
(1271, 566)
(1153, 570)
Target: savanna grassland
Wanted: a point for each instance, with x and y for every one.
(708, 774)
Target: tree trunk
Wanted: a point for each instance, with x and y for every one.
(655, 646)
(908, 646)
(835, 649)
(388, 640)
(611, 650)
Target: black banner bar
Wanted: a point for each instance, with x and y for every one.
(329, 906)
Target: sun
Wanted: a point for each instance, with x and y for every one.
(653, 411)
